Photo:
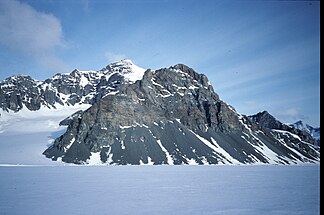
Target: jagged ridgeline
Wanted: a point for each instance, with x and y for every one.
(77, 87)
(170, 116)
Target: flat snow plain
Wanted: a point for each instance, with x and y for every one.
(251, 190)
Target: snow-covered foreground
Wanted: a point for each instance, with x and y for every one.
(160, 190)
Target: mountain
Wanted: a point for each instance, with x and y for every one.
(314, 132)
(172, 116)
(266, 120)
(77, 87)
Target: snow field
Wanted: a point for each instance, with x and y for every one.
(230, 190)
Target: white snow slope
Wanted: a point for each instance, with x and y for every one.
(26, 134)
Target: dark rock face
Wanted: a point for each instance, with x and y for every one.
(15, 90)
(173, 116)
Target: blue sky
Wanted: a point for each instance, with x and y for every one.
(259, 55)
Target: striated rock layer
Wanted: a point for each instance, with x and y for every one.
(173, 116)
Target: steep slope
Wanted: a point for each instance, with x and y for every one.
(173, 116)
(77, 87)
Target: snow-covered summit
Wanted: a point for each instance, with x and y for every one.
(127, 68)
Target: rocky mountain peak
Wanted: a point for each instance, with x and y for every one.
(266, 120)
(170, 116)
(125, 68)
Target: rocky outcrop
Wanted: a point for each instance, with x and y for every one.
(173, 116)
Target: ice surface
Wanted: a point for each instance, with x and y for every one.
(228, 190)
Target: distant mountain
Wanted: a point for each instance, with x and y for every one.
(173, 116)
(266, 120)
(314, 132)
(77, 87)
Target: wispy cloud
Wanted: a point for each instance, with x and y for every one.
(291, 115)
(113, 57)
(276, 62)
(31, 33)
